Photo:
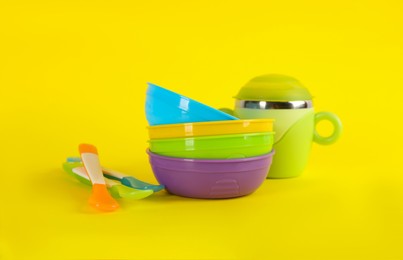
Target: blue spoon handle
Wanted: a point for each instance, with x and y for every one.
(137, 184)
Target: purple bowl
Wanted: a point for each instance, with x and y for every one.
(210, 179)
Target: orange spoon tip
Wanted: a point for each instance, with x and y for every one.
(104, 206)
(101, 199)
(87, 148)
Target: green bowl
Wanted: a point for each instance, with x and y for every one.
(215, 147)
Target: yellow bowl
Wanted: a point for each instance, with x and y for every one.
(211, 128)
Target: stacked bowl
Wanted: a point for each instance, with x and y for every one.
(200, 152)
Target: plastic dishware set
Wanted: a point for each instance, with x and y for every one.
(200, 152)
(197, 151)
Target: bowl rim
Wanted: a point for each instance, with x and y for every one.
(176, 159)
(195, 124)
(210, 128)
(210, 137)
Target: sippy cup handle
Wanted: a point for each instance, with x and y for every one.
(337, 128)
(227, 110)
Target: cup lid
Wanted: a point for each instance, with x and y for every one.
(273, 87)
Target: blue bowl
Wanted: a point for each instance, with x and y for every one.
(166, 107)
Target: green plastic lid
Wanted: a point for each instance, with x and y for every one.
(273, 87)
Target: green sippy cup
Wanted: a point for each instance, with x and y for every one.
(287, 101)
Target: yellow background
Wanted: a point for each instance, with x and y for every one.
(76, 71)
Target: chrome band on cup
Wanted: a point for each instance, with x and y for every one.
(274, 104)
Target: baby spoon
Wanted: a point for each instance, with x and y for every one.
(129, 181)
(116, 189)
(100, 197)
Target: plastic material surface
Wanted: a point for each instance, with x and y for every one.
(337, 128)
(132, 182)
(274, 87)
(296, 132)
(210, 178)
(166, 107)
(121, 191)
(101, 199)
(137, 184)
(69, 166)
(284, 118)
(210, 128)
(73, 159)
(215, 147)
(292, 151)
